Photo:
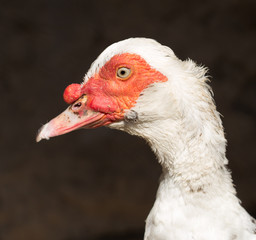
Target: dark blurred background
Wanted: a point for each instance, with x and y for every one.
(100, 184)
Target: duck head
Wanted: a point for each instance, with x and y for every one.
(131, 81)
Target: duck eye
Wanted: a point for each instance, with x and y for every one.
(123, 72)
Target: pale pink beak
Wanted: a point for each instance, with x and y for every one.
(74, 117)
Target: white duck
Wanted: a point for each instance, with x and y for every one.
(141, 87)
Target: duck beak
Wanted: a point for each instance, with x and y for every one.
(76, 116)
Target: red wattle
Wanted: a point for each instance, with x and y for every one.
(72, 93)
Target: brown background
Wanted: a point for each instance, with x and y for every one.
(100, 184)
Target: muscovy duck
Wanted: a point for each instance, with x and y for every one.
(139, 86)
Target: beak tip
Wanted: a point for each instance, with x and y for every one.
(42, 133)
(38, 138)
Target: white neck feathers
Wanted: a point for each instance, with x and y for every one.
(180, 122)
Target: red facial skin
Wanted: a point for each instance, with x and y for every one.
(104, 98)
(72, 93)
(111, 95)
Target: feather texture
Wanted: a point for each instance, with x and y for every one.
(169, 103)
(196, 199)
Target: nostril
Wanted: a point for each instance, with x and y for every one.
(77, 105)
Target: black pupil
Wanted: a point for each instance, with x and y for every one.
(123, 72)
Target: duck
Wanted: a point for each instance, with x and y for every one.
(141, 87)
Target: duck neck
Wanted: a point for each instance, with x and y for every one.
(192, 155)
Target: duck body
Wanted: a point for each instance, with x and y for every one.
(176, 215)
(141, 87)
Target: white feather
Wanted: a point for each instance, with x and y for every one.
(196, 199)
